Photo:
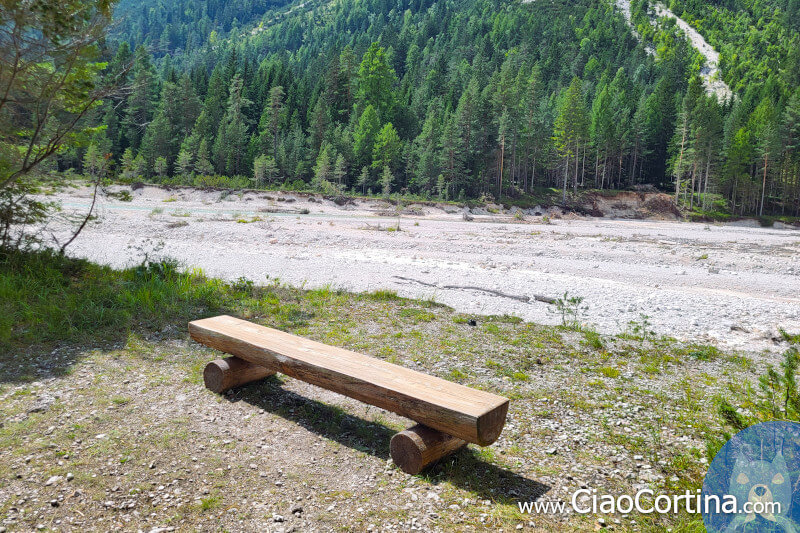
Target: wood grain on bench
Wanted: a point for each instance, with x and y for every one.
(473, 415)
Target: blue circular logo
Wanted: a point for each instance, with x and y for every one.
(753, 483)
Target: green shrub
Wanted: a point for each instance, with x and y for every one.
(776, 397)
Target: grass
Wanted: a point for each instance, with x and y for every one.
(115, 324)
(46, 298)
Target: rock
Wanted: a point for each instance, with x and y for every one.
(53, 480)
(70, 476)
(41, 406)
(297, 509)
(277, 518)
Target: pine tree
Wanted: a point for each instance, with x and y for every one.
(160, 167)
(184, 162)
(340, 172)
(679, 163)
(387, 180)
(452, 151)
(141, 101)
(363, 180)
(376, 80)
(322, 169)
(602, 131)
(569, 131)
(230, 145)
(274, 115)
(94, 162)
(425, 155)
(203, 164)
(128, 171)
(260, 170)
(319, 124)
(387, 148)
(365, 135)
(763, 123)
(214, 103)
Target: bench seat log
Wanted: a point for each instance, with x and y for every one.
(224, 374)
(472, 415)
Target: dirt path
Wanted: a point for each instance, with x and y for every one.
(735, 285)
(709, 73)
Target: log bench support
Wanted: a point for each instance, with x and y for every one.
(223, 374)
(448, 414)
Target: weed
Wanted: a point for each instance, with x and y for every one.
(209, 502)
(609, 372)
(383, 295)
(122, 196)
(641, 329)
(593, 340)
(570, 308)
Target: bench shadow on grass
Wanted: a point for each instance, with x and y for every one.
(464, 469)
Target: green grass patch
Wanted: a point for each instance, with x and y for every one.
(48, 298)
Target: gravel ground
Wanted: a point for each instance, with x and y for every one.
(126, 438)
(733, 285)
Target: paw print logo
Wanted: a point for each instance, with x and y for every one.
(753, 483)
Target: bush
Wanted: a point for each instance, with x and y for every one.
(775, 398)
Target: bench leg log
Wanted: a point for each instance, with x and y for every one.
(418, 446)
(223, 374)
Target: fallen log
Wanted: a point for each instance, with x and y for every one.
(526, 299)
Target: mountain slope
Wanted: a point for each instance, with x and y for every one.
(448, 98)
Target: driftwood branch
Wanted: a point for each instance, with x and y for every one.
(526, 299)
(85, 220)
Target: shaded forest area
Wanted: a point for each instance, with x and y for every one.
(449, 99)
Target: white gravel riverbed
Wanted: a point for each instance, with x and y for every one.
(731, 284)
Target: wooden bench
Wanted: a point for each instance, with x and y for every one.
(448, 414)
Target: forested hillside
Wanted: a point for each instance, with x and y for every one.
(448, 99)
(758, 40)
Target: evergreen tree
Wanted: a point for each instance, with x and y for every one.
(387, 148)
(363, 180)
(203, 164)
(142, 100)
(184, 162)
(323, 169)
(365, 135)
(230, 145)
(94, 161)
(569, 133)
(340, 172)
(376, 80)
(387, 181)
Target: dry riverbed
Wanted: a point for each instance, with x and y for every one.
(734, 285)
